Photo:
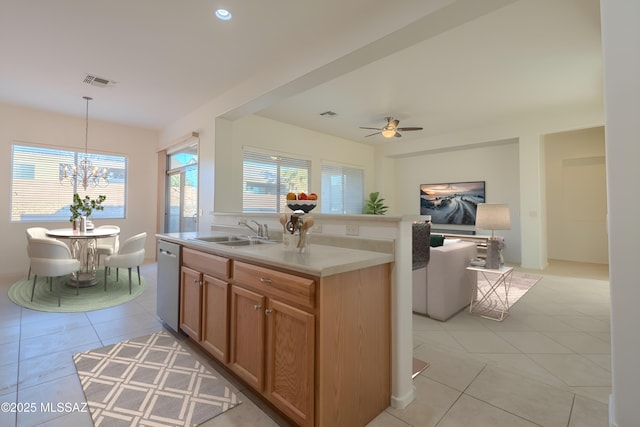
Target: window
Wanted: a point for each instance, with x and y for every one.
(342, 189)
(266, 180)
(182, 190)
(37, 193)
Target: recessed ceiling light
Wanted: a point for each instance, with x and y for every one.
(223, 14)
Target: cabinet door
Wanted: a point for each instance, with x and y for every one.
(247, 336)
(290, 361)
(190, 302)
(215, 303)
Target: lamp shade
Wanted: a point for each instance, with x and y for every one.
(388, 132)
(493, 216)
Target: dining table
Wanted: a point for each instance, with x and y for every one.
(83, 246)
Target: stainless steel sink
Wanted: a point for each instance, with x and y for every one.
(233, 240)
(244, 242)
(218, 239)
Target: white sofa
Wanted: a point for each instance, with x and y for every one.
(445, 286)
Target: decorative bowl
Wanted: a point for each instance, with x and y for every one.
(304, 205)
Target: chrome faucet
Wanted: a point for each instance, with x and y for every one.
(261, 230)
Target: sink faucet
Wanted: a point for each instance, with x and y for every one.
(261, 230)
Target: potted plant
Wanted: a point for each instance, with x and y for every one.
(84, 207)
(374, 205)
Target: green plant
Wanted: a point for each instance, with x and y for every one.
(85, 206)
(374, 205)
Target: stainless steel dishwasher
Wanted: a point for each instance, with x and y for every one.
(168, 304)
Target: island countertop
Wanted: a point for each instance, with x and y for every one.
(320, 260)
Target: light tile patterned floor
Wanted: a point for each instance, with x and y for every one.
(548, 364)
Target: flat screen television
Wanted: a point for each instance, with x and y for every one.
(452, 202)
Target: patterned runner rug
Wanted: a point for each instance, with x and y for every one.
(150, 381)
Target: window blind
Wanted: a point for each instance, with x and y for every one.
(37, 194)
(266, 180)
(342, 189)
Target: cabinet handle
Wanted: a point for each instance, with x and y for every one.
(265, 280)
(257, 307)
(268, 311)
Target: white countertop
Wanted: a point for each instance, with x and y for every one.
(320, 260)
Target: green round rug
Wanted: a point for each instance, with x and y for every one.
(90, 298)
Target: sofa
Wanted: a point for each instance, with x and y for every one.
(445, 286)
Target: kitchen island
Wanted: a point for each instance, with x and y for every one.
(310, 332)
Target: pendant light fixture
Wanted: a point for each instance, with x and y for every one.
(85, 173)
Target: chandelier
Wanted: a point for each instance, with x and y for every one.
(84, 172)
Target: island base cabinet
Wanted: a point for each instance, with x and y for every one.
(354, 347)
(290, 361)
(317, 348)
(247, 336)
(191, 302)
(204, 301)
(215, 294)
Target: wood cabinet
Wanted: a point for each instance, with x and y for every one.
(247, 336)
(273, 337)
(204, 303)
(317, 348)
(191, 302)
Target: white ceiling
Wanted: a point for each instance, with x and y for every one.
(412, 60)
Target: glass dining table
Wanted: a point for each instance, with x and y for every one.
(83, 248)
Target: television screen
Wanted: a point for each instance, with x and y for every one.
(451, 203)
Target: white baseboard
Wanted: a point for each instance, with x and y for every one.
(401, 402)
(612, 422)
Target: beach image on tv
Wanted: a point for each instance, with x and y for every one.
(452, 203)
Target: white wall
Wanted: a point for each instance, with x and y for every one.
(497, 165)
(576, 196)
(22, 125)
(621, 37)
(280, 138)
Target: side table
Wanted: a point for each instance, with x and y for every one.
(492, 302)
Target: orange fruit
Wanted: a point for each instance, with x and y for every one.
(291, 196)
(313, 196)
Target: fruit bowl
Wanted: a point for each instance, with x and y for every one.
(304, 205)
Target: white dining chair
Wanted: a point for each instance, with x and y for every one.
(130, 254)
(35, 233)
(108, 245)
(52, 259)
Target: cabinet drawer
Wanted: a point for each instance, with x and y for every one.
(284, 286)
(207, 263)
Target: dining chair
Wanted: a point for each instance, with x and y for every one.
(129, 255)
(52, 259)
(35, 233)
(108, 245)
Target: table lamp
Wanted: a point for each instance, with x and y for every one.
(493, 216)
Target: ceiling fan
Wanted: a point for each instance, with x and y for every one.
(391, 129)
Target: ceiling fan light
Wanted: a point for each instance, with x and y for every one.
(388, 133)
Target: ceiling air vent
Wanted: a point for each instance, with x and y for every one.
(98, 81)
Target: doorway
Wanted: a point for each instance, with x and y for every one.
(181, 210)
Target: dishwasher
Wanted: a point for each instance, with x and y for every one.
(168, 303)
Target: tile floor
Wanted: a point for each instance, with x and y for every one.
(547, 364)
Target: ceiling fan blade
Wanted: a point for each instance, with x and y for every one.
(393, 123)
(376, 133)
(409, 128)
(397, 135)
(362, 127)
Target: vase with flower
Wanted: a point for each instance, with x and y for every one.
(82, 208)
